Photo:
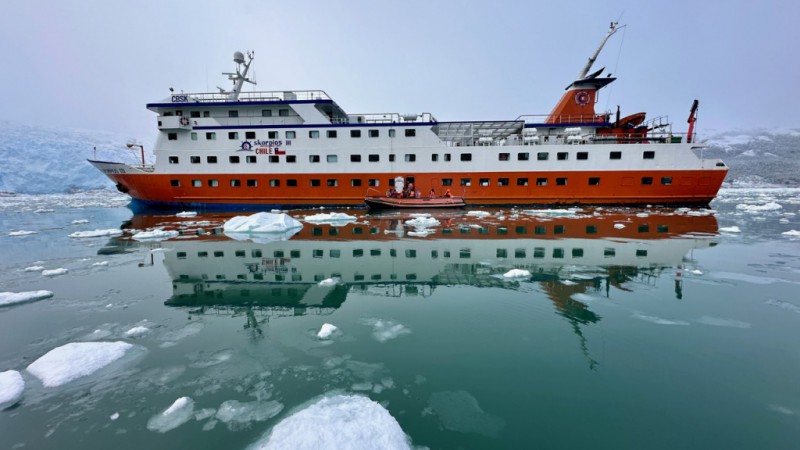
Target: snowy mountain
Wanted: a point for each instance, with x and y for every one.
(758, 156)
(38, 160)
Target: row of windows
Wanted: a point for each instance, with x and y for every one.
(563, 156)
(282, 112)
(312, 134)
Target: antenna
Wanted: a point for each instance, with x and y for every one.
(613, 29)
(240, 76)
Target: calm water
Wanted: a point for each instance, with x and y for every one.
(635, 328)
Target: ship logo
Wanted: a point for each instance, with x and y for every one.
(246, 147)
(582, 98)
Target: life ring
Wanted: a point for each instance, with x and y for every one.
(582, 98)
(184, 121)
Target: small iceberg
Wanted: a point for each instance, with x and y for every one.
(95, 233)
(11, 388)
(333, 218)
(326, 331)
(180, 412)
(517, 273)
(186, 214)
(262, 227)
(155, 235)
(329, 282)
(21, 233)
(75, 360)
(13, 298)
(54, 272)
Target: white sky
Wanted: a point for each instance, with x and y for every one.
(95, 64)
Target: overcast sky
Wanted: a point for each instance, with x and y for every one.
(95, 64)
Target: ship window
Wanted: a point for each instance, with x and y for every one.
(233, 113)
(374, 182)
(273, 159)
(313, 134)
(266, 113)
(542, 156)
(290, 135)
(355, 182)
(194, 114)
(649, 154)
(291, 158)
(374, 158)
(558, 229)
(332, 158)
(594, 181)
(173, 160)
(331, 134)
(434, 157)
(193, 135)
(211, 159)
(315, 182)
(252, 183)
(283, 112)
(172, 136)
(250, 159)
(236, 183)
(447, 181)
(249, 134)
(562, 156)
(291, 182)
(313, 158)
(233, 135)
(647, 180)
(374, 133)
(206, 114)
(213, 183)
(272, 134)
(523, 156)
(391, 157)
(410, 157)
(447, 157)
(355, 158)
(666, 181)
(615, 155)
(392, 133)
(466, 182)
(333, 182)
(502, 181)
(194, 159)
(411, 132)
(466, 156)
(561, 181)
(197, 183)
(483, 181)
(583, 155)
(211, 136)
(541, 181)
(522, 181)
(233, 159)
(274, 183)
(355, 133)
(175, 183)
(503, 156)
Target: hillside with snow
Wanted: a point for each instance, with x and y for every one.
(758, 156)
(39, 160)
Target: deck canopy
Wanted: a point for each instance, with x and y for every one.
(488, 131)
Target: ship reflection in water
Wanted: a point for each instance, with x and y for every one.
(567, 254)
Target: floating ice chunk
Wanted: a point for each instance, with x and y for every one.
(80, 221)
(338, 421)
(186, 214)
(791, 233)
(422, 222)
(567, 212)
(266, 226)
(13, 298)
(659, 320)
(236, 413)
(114, 416)
(771, 206)
(732, 229)
(54, 272)
(206, 359)
(75, 360)
(619, 226)
(460, 411)
(326, 331)
(11, 388)
(205, 413)
(21, 233)
(517, 273)
(155, 235)
(421, 233)
(784, 305)
(96, 233)
(696, 272)
(329, 282)
(720, 322)
(100, 264)
(384, 330)
(33, 269)
(479, 213)
(137, 331)
(364, 386)
(180, 412)
(336, 218)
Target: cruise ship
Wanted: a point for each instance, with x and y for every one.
(235, 149)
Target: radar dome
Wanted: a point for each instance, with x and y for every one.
(238, 58)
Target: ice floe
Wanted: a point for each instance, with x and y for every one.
(770, 206)
(33, 269)
(237, 414)
(13, 298)
(54, 272)
(784, 305)
(137, 331)
(262, 227)
(384, 330)
(460, 411)
(517, 273)
(11, 388)
(96, 233)
(337, 421)
(659, 320)
(177, 414)
(731, 229)
(333, 218)
(479, 213)
(791, 233)
(721, 322)
(186, 214)
(80, 221)
(75, 360)
(155, 235)
(21, 233)
(326, 331)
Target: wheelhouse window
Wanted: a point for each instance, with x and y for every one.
(233, 159)
(173, 160)
(194, 159)
(410, 132)
(211, 159)
(331, 134)
(374, 133)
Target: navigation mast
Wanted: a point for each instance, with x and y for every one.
(239, 77)
(613, 29)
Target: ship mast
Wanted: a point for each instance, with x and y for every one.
(239, 77)
(592, 58)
